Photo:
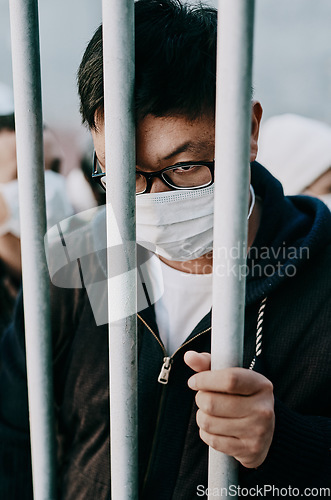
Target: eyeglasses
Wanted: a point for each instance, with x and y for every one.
(97, 173)
(183, 175)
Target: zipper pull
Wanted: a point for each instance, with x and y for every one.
(165, 370)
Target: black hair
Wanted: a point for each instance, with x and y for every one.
(7, 122)
(175, 51)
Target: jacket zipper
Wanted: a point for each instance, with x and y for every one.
(163, 378)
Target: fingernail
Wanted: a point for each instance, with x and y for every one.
(192, 382)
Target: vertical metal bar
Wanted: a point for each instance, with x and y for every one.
(118, 54)
(233, 123)
(29, 141)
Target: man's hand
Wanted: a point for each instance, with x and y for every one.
(236, 409)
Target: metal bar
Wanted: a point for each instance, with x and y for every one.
(118, 54)
(233, 123)
(30, 163)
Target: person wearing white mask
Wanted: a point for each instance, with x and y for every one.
(58, 206)
(273, 415)
(177, 222)
(297, 150)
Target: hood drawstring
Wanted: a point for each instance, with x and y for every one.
(259, 327)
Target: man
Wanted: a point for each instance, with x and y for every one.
(275, 419)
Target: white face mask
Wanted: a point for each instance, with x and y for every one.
(177, 225)
(326, 198)
(57, 204)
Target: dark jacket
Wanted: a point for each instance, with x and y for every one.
(291, 266)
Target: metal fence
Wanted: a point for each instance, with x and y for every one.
(30, 166)
(231, 195)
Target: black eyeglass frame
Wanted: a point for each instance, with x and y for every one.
(96, 175)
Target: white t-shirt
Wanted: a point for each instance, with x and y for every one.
(186, 299)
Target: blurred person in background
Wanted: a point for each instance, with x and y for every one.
(57, 204)
(297, 151)
(83, 191)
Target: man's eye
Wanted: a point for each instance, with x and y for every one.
(188, 168)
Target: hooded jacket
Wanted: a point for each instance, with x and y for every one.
(290, 265)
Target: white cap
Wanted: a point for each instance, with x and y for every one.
(6, 100)
(295, 149)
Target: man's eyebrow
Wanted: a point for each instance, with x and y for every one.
(192, 147)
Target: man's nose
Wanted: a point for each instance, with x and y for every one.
(158, 186)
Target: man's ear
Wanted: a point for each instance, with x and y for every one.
(256, 119)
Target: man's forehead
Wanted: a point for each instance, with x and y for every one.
(166, 137)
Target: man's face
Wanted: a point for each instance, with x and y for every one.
(165, 141)
(161, 142)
